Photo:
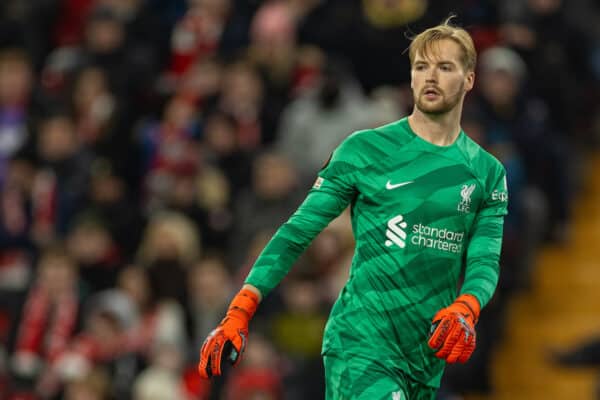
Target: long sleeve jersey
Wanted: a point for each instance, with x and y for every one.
(422, 215)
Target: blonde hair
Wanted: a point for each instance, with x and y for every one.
(423, 42)
(175, 228)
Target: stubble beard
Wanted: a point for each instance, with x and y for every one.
(442, 106)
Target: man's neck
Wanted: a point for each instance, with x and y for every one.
(441, 129)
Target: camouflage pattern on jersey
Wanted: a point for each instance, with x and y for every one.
(421, 215)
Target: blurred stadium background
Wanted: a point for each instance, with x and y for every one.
(149, 148)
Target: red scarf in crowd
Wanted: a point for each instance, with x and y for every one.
(47, 325)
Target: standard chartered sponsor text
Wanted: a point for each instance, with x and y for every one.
(437, 238)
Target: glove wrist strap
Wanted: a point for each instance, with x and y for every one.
(243, 305)
(471, 303)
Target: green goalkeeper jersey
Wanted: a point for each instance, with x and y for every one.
(421, 215)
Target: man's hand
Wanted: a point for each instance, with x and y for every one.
(452, 332)
(228, 340)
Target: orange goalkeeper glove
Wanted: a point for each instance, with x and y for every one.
(452, 332)
(228, 340)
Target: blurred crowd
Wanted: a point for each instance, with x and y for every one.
(149, 149)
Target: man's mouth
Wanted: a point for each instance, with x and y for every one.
(431, 93)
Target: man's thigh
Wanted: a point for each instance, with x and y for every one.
(355, 378)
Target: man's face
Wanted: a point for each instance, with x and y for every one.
(438, 79)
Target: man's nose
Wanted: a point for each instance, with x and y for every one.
(432, 75)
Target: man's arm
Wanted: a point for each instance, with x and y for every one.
(452, 334)
(324, 203)
(483, 254)
(332, 192)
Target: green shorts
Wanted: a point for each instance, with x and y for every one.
(352, 378)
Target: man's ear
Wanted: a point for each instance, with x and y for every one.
(469, 80)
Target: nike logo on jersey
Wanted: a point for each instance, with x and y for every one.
(390, 186)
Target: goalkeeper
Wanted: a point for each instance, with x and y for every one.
(427, 204)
